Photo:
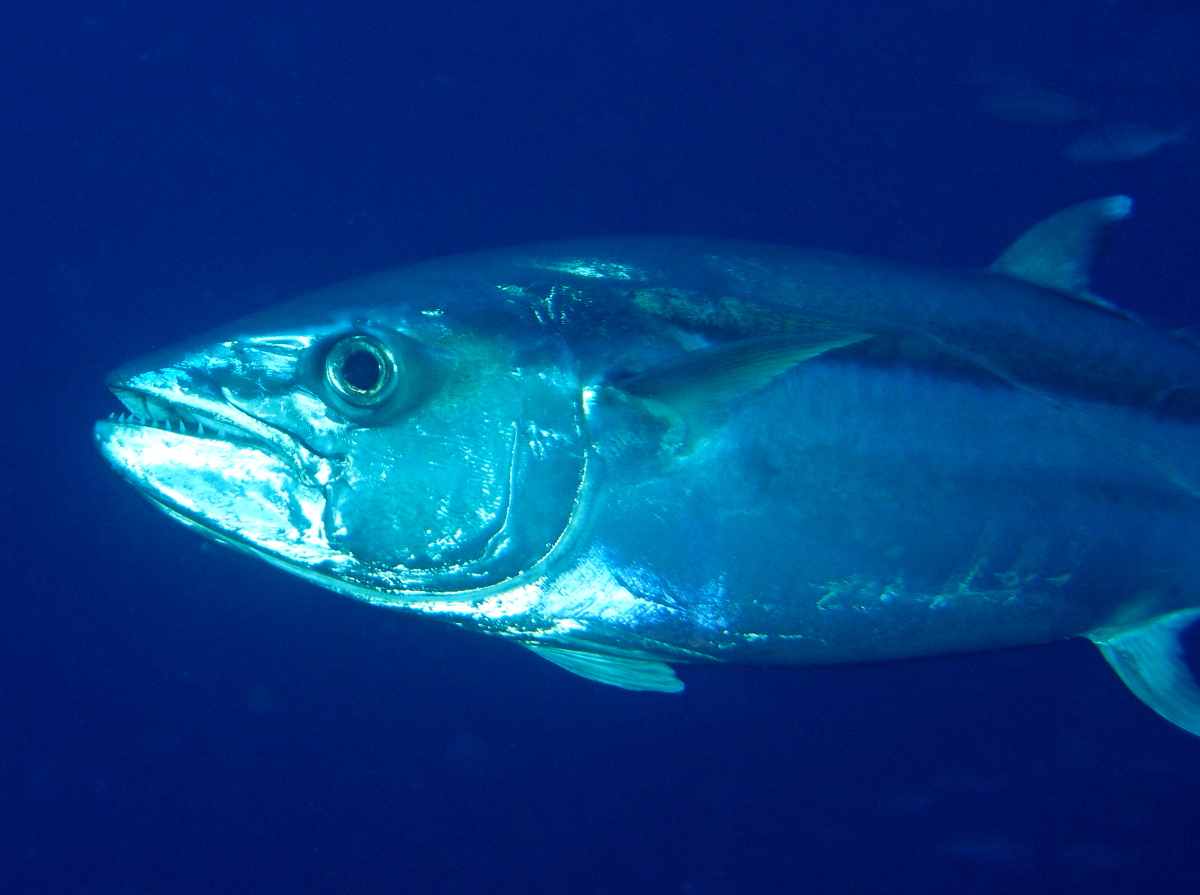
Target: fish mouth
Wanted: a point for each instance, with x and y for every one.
(197, 413)
(182, 422)
(199, 409)
(222, 471)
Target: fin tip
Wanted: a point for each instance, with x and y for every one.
(1149, 660)
(1118, 207)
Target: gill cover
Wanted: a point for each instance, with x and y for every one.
(459, 465)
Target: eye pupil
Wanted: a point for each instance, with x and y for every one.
(361, 371)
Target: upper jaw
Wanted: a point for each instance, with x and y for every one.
(201, 419)
(179, 400)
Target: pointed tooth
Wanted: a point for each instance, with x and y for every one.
(199, 427)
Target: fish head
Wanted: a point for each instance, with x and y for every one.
(389, 453)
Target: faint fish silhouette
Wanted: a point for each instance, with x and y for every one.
(1124, 141)
(1035, 106)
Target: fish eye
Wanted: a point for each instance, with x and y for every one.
(361, 370)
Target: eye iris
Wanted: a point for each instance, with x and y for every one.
(361, 371)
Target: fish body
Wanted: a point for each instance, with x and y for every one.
(1035, 106)
(1121, 142)
(625, 454)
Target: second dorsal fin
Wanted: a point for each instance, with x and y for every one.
(1057, 253)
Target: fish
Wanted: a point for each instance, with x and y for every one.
(1035, 107)
(1121, 142)
(1017, 98)
(633, 454)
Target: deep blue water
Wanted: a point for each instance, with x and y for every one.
(178, 719)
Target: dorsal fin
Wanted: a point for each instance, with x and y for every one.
(1057, 253)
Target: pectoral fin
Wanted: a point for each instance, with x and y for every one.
(629, 674)
(1149, 660)
(1057, 253)
(702, 384)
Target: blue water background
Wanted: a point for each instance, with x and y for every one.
(175, 718)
